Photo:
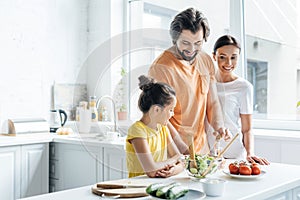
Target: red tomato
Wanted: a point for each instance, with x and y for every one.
(255, 169)
(254, 164)
(242, 163)
(245, 170)
(233, 168)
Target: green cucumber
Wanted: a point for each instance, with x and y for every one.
(176, 191)
(162, 191)
(151, 189)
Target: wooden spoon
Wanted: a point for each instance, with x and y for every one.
(192, 152)
(219, 155)
(227, 146)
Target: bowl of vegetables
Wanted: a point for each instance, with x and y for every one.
(203, 166)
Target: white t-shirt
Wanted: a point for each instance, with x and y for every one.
(236, 98)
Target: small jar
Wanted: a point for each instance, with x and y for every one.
(77, 116)
(94, 112)
(83, 105)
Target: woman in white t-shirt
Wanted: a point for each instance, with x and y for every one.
(236, 98)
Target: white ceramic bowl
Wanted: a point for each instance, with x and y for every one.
(213, 186)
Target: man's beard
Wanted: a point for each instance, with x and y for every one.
(187, 58)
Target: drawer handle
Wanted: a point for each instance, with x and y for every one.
(53, 151)
(52, 168)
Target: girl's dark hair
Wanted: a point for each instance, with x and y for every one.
(154, 93)
(224, 41)
(189, 19)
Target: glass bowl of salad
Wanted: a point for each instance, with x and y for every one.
(203, 166)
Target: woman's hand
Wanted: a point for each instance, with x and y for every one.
(256, 159)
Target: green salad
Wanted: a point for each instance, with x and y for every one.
(203, 162)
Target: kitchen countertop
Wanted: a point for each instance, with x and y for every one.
(95, 139)
(278, 178)
(75, 138)
(277, 134)
(23, 139)
(88, 139)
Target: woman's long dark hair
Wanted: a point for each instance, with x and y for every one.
(224, 41)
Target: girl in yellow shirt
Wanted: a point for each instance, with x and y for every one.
(150, 148)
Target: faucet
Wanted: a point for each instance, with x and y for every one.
(114, 108)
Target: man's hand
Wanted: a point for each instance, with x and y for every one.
(223, 133)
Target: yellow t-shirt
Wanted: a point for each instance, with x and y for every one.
(157, 141)
(191, 84)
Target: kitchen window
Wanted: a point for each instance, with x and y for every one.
(257, 74)
(269, 34)
(272, 43)
(151, 19)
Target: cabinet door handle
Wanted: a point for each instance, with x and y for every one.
(52, 188)
(53, 151)
(52, 168)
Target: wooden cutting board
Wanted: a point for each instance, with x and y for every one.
(124, 183)
(8, 134)
(122, 193)
(124, 188)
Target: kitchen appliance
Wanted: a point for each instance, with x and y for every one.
(57, 119)
(24, 126)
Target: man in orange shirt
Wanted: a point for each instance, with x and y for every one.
(190, 71)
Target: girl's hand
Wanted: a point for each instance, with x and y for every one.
(171, 170)
(166, 172)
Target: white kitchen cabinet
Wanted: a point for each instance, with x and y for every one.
(277, 150)
(24, 170)
(10, 168)
(296, 193)
(293, 194)
(289, 152)
(270, 149)
(114, 163)
(288, 195)
(281, 146)
(74, 165)
(35, 168)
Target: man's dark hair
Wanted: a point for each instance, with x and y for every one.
(189, 19)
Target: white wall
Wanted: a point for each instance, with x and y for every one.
(69, 40)
(106, 45)
(40, 42)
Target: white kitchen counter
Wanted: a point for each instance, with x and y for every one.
(88, 139)
(279, 178)
(91, 139)
(282, 135)
(23, 139)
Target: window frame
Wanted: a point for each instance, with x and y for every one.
(237, 27)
